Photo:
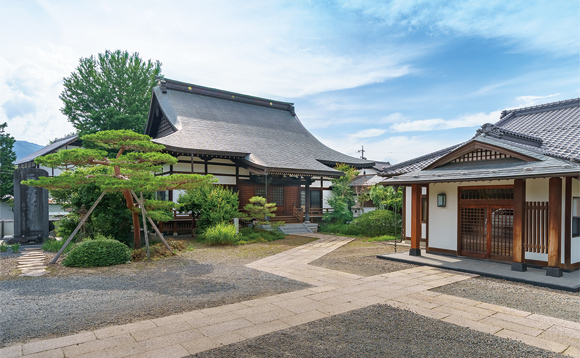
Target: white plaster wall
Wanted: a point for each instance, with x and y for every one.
(443, 221)
(177, 194)
(215, 169)
(6, 212)
(325, 196)
(244, 172)
(225, 180)
(182, 167)
(537, 189)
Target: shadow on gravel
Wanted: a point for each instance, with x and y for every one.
(377, 331)
(47, 306)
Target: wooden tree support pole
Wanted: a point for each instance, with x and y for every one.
(152, 223)
(77, 229)
(145, 233)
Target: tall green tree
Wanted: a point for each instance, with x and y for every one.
(109, 92)
(342, 195)
(7, 158)
(131, 169)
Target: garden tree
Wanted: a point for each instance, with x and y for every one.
(132, 169)
(362, 196)
(7, 158)
(109, 92)
(387, 197)
(259, 209)
(211, 204)
(342, 195)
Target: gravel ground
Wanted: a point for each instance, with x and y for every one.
(67, 300)
(360, 258)
(378, 331)
(546, 301)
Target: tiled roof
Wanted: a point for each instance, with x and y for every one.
(551, 129)
(266, 133)
(557, 124)
(48, 149)
(542, 166)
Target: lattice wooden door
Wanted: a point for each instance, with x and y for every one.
(486, 231)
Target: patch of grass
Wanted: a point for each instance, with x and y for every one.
(54, 245)
(381, 238)
(15, 247)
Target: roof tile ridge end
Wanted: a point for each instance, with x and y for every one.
(165, 83)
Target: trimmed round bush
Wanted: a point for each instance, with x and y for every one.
(94, 253)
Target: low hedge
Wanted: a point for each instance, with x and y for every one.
(95, 253)
(371, 224)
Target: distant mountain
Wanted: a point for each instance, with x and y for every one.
(23, 148)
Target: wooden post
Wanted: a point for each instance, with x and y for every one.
(307, 204)
(519, 262)
(76, 230)
(145, 233)
(416, 194)
(568, 224)
(554, 227)
(152, 223)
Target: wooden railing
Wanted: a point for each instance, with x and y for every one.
(181, 223)
(298, 214)
(319, 211)
(536, 227)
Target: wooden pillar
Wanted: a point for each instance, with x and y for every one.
(170, 194)
(307, 204)
(519, 260)
(554, 227)
(416, 194)
(568, 224)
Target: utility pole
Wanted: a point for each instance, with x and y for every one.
(362, 152)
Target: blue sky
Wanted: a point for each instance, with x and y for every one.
(403, 78)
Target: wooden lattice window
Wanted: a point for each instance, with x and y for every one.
(260, 190)
(278, 195)
(480, 154)
(536, 228)
(488, 194)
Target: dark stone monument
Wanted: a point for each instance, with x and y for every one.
(30, 207)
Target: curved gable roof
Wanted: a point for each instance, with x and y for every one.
(266, 133)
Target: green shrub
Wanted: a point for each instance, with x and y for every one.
(53, 245)
(3, 247)
(377, 223)
(371, 224)
(100, 252)
(15, 247)
(249, 235)
(211, 204)
(221, 234)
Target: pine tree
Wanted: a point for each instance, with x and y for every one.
(131, 169)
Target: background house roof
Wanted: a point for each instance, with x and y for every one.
(551, 129)
(266, 133)
(53, 147)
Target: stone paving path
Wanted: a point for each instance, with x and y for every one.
(31, 263)
(333, 292)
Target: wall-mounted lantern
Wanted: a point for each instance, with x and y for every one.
(441, 200)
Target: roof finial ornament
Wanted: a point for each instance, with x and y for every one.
(162, 85)
(489, 129)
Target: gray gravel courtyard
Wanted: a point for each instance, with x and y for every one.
(377, 331)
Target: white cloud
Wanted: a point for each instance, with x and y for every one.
(525, 101)
(468, 120)
(369, 133)
(523, 25)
